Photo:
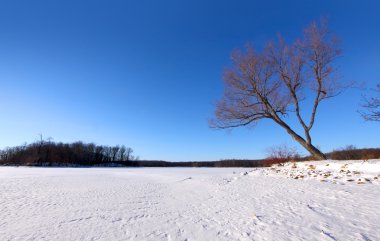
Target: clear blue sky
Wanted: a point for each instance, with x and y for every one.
(148, 73)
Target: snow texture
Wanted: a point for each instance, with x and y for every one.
(183, 204)
(336, 172)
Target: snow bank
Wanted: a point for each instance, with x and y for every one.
(336, 172)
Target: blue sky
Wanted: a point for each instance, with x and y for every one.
(147, 74)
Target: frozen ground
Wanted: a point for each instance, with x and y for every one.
(182, 204)
(336, 172)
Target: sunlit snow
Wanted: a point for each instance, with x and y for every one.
(185, 204)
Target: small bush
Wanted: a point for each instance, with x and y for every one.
(281, 153)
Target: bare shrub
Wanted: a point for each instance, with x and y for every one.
(282, 152)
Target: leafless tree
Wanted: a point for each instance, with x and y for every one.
(273, 83)
(114, 151)
(128, 154)
(122, 151)
(372, 107)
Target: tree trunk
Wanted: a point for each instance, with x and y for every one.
(307, 145)
(314, 151)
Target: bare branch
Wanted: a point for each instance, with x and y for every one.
(272, 84)
(371, 107)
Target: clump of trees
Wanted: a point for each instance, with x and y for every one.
(47, 152)
(273, 83)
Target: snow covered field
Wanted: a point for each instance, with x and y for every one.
(183, 204)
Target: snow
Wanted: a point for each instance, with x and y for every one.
(186, 204)
(336, 172)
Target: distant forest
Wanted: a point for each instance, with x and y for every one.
(46, 153)
(49, 153)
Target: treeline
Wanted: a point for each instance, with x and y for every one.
(352, 153)
(222, 163)
(48, 153)
(348, 153)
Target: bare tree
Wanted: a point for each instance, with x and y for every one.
(372, 107)
(128, 154)
(122, 151)
(272, 84)
(114, 151)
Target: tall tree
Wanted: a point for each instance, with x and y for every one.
(273, 83)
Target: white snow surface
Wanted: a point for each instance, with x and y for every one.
(336, 172)
(183, 204)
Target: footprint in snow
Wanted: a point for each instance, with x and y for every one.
(328, 235)
(365, 237)
(189, 178)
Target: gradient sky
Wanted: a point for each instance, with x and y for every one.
(147, 74)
